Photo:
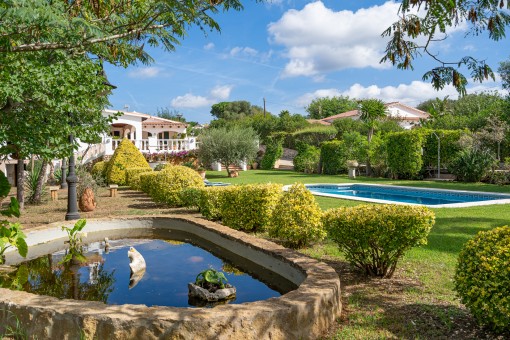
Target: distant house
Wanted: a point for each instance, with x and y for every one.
(407, 116)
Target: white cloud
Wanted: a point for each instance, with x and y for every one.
(411, 94)
(243, 51)
(145, 72)
(191, 101)
(319, 40)
(221, 92)
(209, 46)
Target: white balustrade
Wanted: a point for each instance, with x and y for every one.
(160, 145)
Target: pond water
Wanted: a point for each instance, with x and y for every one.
(171, 264)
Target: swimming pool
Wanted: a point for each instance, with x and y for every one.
(378, 193)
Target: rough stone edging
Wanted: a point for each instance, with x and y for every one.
(304, 313)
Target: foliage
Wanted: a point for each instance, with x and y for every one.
(356, 146)
(227, 146)
(211, 279)
(333, 157)
(372, 110)
(482, 277)
(133, 176)
(32, 179)
(234, 110)
(274, 150)
(296, 219)
(168, 183)
(377, 151)
(85, 180)
(99, 170)
(328, 106)
(504, 73)
(404, 153)
(11, 234)
(190, 197)
(449, 146)
(349, 125)
(119, 32)
(313, 135)
(432, 22)
(249, 207)
(211, 201)
(374, 237)
(307, 159)
(126, 156)
(472, 164)
(148, 182)
(74, 235)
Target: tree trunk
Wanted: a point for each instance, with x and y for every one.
(228, 170)
(40, 182)
(20, 186)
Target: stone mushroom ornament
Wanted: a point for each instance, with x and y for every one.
(137, 265)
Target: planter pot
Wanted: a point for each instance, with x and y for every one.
(87, 201)
(203, 294)
(202, 173)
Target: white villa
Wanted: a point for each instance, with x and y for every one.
(407, 116)
(150, 134)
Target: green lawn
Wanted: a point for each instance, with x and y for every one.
(431, 266)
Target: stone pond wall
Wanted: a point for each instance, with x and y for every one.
(304, 313)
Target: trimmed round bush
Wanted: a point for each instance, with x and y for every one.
(170, 181)
(374, 237)
(482, 278)
(125, 156)
(296, 218)
(249, 207)
(133, 176)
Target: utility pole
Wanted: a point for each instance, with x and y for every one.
(264, 107)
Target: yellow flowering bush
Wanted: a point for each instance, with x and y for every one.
(126, 156)
(170, 181)
(482, 278)
(249, 207)
(210, 201)
(147, 182)
(133, 176)
(296, 218)
(374, 237)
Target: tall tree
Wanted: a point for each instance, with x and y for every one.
(422, 22)
(328, 106)
(235, 110)
(504, 72)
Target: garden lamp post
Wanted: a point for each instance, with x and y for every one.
(438, 155)
(63, 180)
(72, 179)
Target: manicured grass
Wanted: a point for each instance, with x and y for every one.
(430, 268)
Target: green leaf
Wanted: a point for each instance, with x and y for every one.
(22, 246)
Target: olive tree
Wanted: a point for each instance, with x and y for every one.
(228, 146)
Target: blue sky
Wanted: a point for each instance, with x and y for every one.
(290, 52)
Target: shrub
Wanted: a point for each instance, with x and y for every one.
(333, 157)
(274, 150)
(377, 154)
(313, 135)
(482, 277)
(125, 156)
(374, 237)
(297, 218)
(170, 181)
(99, 170)
(249, 207)
(472, 164)
(148, 182)
(307, 160)
(190, 197)
(210, 201)
(404, 153)
(133, 176)
(449, 146)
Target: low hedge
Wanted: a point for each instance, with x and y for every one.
(296, 219)
(169, 182)
(133, 176)
(249, 207)
(147, 182)
(374, 237)
(210, 201)
(482, 278)
(333, 157)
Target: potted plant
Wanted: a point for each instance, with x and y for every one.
(211, 285)
(201, 171)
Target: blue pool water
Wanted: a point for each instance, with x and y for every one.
(378, 193)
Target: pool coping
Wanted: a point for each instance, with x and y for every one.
(306, 312)
(449, 205)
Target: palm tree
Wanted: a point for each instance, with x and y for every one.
(370, 111)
